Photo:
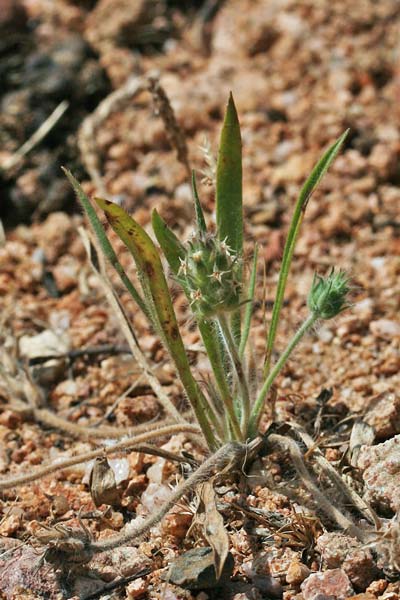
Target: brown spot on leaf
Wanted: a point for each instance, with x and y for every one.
(174, 332)
(149, 269)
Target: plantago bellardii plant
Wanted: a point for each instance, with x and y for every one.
(209, 269)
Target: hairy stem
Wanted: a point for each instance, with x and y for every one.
(237, 364)
(45, 416)
(258, 406)
(334, 476)
(229, 454)
(130, 443)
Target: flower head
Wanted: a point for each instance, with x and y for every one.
(211, 272)
(329, 295)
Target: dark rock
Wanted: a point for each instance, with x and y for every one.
(194, 570)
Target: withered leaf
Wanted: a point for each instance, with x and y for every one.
(213, 526)
(362, 434)
(102, 484)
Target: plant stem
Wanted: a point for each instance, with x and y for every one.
(249, 307)
(213, 352)
(126, 444)
(257, 408)
(237, 364)
(230, 455)
(306, 191)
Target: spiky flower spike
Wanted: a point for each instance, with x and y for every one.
(329, 295)
(210, 272)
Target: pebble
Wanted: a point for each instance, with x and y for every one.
(333, 584)
(380, 466)
(384, 415)
(194, 570)
(385, 329)
(46, 343)
(338, 550)
(154, 496)
(297, 573)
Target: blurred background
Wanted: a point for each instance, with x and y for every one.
(300, 71)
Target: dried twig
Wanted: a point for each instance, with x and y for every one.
(71, 355)
(324, 504)
(87, 133)
(113, 585)
(37, 136)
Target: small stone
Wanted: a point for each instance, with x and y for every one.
(380, 465)
(124, 561)
(384, 415)
(136, 589)
(154, 496)
(385, 329)
(297, 573)
(46, 343)
(331, 584)
(377, 587)
(194, 570)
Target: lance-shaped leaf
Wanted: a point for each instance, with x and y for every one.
(174, 252)
(157, 294)
(229, 203)
(104, 242)
(229, 181)
(172, 248)
(308, 188)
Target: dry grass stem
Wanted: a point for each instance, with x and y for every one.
(322, 501)
(174, 131)
(37, 136)
(130, 443)
(87, 133)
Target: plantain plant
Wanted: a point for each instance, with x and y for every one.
(210, 269)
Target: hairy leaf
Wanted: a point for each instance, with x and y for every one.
(104, 242)
(157, 294)
(170, 245)
(229, 181)
(313, 180)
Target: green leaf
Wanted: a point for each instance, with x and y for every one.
(249, 306)
(157, 293)
(229, 203)
(313, 180)
(104, 242)
(173, 251)
(172, 248)
(200, 220)
(229, 209)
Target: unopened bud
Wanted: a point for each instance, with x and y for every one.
(329, 295)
